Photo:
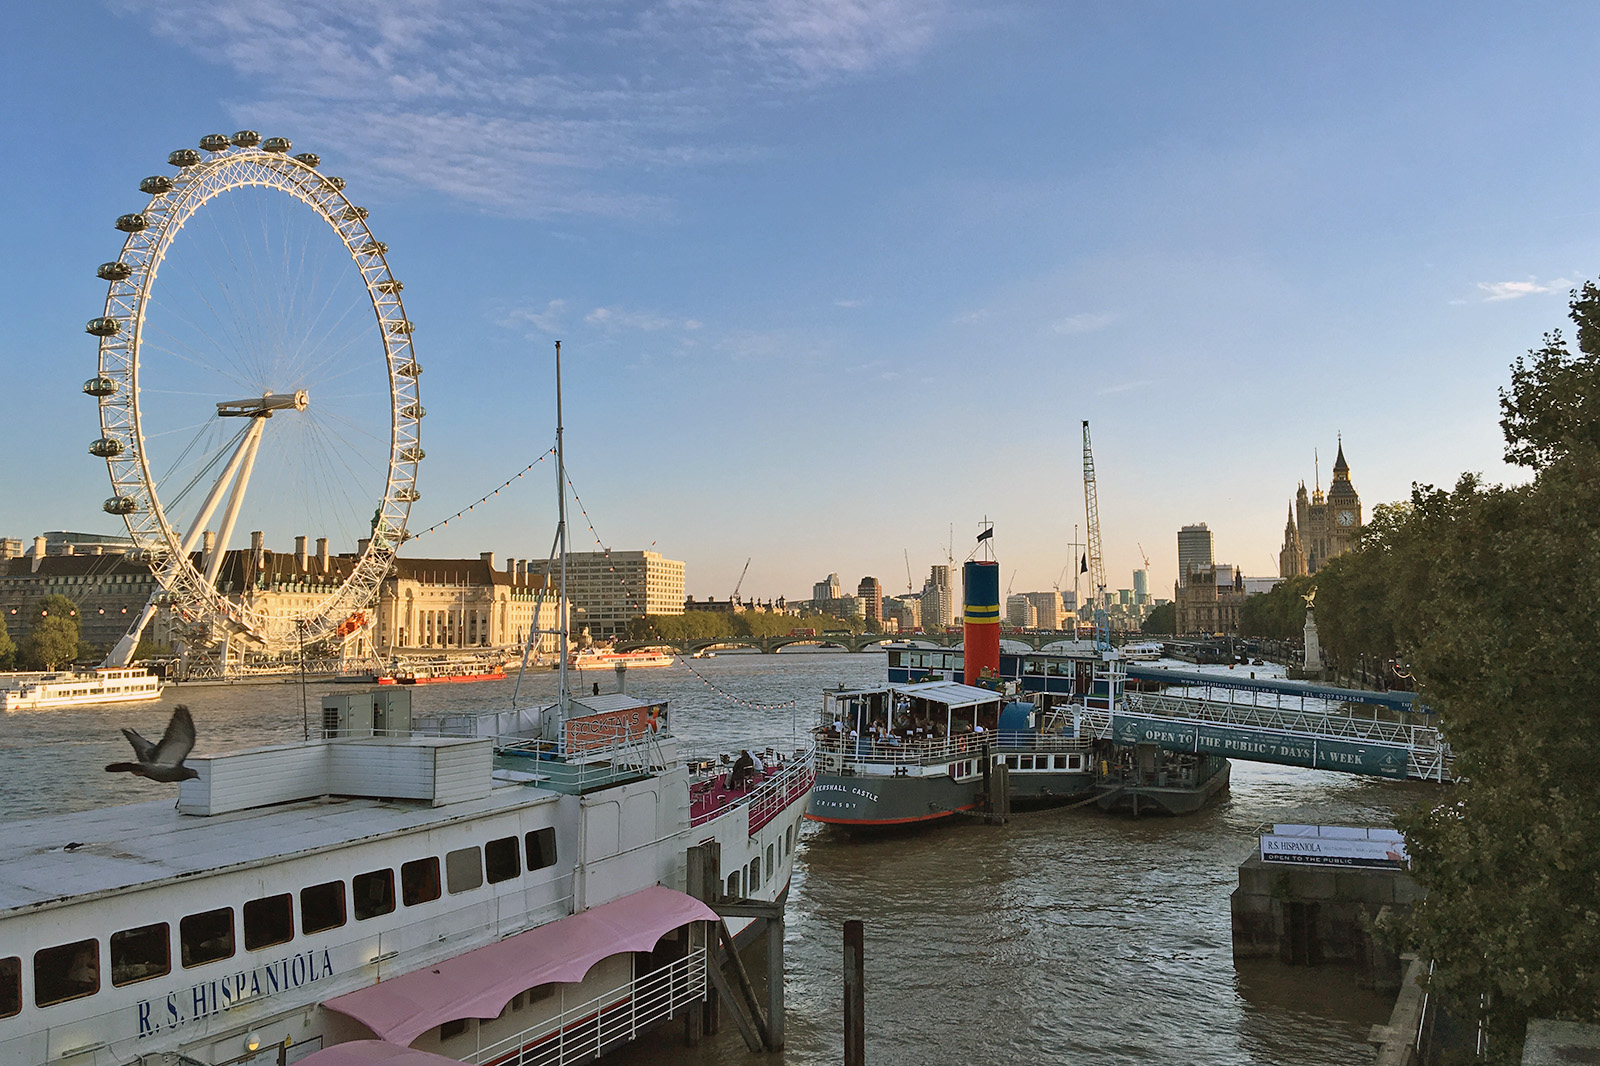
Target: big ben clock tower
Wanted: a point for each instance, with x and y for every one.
(1344, 509)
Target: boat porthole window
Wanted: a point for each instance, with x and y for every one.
(140, 954)
(322, 907)
(463, 870)
(70, 971)
(206, 937)
(541, 844)
(10, 986)
(501, 859)
(268, 921)
(373, 893)
(419, 881)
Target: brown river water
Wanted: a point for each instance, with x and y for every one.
(1065, 936)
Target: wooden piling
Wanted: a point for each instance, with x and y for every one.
(855, 1027)
(775, 982)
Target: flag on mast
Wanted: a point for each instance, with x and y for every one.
(1083, 567)
(986, 534)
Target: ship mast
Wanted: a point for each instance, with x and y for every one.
(563, 694)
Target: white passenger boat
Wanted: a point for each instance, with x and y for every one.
(77, 688)
(383, 890)
(1143, 650)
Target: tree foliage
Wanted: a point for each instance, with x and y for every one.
(1279, 613)
(1493, 594)
(8, 650)
(1162, 620)
(52, 640)
(718, 625)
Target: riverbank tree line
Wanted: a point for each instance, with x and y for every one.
(1491, 593)
(719, 625)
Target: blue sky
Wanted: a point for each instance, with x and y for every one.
(834, 277)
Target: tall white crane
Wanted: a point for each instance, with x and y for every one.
(1097, 563)
(740, 584)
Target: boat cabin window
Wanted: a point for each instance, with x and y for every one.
(10, 986)
(769, 862)
(733, 885)
(755, 873)
(463, 870)
(70, 971)
(502, 860)
(419, 881)
(140, 954)
(206, 937)
(268, 921)
(322, 907)
(541, 845)
(373, 893)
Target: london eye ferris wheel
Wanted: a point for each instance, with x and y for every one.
(266, 385)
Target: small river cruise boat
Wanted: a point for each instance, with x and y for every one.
(77, 688)
(608, 658)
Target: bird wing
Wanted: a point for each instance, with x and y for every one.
(176, 742)
(142, 748)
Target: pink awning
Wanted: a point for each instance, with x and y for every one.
(481, 982)
(375, 1053)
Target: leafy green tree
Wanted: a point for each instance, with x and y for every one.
(1278, 614)
(8, 650)
(1163, 620)
(1493, 591)
(52, 641)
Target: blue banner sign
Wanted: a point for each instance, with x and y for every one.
(1288, 749)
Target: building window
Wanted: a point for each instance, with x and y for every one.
(140, 954)
(206, 937)
(500, 856)
(268, 921)
(463, 870)
(70, 971)
(322, 907)
(374, 893)
(419, 881)
(541, 844)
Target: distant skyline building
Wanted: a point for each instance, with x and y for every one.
(1141, 587)
(870, 593)
(938, 598)
(827, 589)
(609, 589)
(1321, 527)
(1047, 608)
(1020, 612)
(1195, 550)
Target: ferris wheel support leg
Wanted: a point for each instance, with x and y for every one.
(122, 654)
(248, 449)
(209, 508)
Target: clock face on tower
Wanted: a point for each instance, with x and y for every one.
(1347, 518)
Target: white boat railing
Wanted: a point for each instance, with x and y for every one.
(834, 750)
(582, 1032)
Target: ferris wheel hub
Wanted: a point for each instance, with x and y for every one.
(263, 406)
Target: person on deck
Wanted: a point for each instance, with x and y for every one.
(743, 772)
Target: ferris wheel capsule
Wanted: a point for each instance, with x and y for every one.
(409, 369)
(120, 505)
(310, 159)
(184, 157)
(106, 448)
(100, 386)
(103, 327)
(276, 145)
(156, 185)
(132, 223)
(215, 142)
(113, 271)
(246, 139)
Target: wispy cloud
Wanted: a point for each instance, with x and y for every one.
(617, 318)
(1082, 323)
(534, 108)
(1515, 290)
(546, 321)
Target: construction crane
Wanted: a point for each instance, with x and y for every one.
(1097, 563)
(1145, 557)
(740, 583)
(908, 570)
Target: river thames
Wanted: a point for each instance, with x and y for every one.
(1065, 936)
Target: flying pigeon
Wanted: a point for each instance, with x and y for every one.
(163, 761)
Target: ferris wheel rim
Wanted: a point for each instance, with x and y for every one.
(224, 168)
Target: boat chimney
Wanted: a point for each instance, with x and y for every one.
(981, 620)
(322, 554)
(300, 554)
(208, 545)
(38, 552)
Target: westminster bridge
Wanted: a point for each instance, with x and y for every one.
(1032, 640)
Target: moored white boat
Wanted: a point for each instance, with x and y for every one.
(77, 688)
(607, 658)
